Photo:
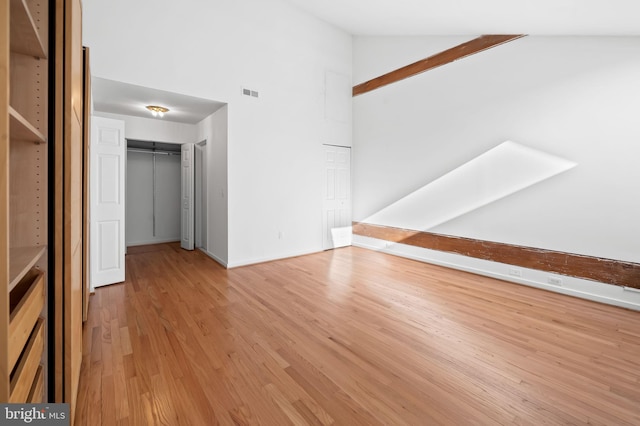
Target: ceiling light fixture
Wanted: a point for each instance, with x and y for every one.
(157, 111)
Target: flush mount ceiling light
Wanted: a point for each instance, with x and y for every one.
(157, 111)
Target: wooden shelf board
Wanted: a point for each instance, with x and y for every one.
(21, 260)
(25, 37)
(21, 129)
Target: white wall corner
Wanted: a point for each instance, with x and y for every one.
(216, 258)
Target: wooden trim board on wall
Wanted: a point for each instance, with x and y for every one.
(56, 381)
(73, 181)
(445, 57)
(5, 370)
(602, 270)
(86, 135)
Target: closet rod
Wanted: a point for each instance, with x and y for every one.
(146, 151)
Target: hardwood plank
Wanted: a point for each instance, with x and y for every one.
(350, 336)
(95, 393)
(82, 403)
(609, 271)
(161, 399)
(107, 409)
(460, 51)
(294, 416)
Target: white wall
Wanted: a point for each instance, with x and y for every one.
(211, 50)
(576, 98)
(168, 196)
(139, 205)
(154, 129)
(214, 129)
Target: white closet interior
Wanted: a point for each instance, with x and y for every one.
(153, 192)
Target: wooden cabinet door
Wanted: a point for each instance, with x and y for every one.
(74, 99)
(68, 250)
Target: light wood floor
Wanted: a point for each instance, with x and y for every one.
(349, 337)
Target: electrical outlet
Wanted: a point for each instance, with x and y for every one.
(554, 280)
(515, 272)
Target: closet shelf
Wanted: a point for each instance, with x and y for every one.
(21, 260)
(25, 37)
(24, 376)
(21, 129)
(36, 395)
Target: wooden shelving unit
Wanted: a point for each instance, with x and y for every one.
(21, 261)
(25, 36)
(22, 130)
(23, 199)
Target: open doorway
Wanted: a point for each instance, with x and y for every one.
(189, 118)
(201, 196)
(153, 193)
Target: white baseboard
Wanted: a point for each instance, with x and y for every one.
(585, 289)
(155, 241)
(254, 261)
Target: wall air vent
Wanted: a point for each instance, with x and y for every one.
(249, 92)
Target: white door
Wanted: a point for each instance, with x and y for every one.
(336, 217)
(108, 150)
(200, 189)
(187, 210)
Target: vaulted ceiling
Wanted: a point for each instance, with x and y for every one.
(409, 17)
(461, 17)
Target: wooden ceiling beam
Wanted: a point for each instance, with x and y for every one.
(447, 56)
